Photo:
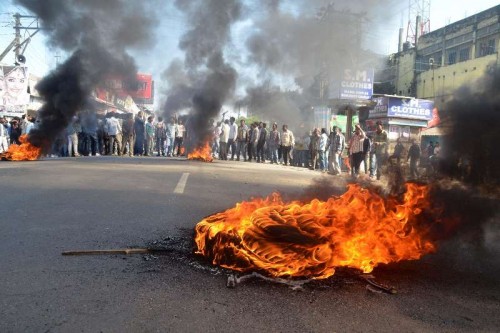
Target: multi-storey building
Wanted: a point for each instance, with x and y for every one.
(447, 58)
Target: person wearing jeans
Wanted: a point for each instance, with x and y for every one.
(356, 149)
(72, 139)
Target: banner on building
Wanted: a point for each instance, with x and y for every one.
(357, 84)
(410, 108)
(402, 107)
(14, 96)
(142, 90)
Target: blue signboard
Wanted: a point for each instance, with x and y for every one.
(402, 107)
(357, 84)
(411, 108)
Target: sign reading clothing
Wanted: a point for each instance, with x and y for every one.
(410, 108)
(357, 84)
(402, 107)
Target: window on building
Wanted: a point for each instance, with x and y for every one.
(487, 47)
(452, 57)
(491, 46)
(464, 54)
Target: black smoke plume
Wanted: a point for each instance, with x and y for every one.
(205, 80)
(97, 33)
(472, 142)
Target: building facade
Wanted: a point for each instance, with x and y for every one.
(447, 58)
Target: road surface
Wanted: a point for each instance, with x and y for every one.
(54, 205)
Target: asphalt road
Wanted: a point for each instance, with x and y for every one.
(54, 205)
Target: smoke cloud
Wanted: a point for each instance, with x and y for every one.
(205, 80)
(291, 51)
(98, 34)
(473, 139)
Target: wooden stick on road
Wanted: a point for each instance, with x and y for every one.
(114, 251)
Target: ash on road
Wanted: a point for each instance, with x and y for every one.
(50, 206)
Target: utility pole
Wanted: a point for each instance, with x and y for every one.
(17, 39)
(16, 43)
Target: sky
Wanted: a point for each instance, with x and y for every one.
(41, 58)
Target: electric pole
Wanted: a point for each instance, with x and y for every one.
(17, 39)
(16, 43)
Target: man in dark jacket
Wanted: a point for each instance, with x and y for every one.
(261, 158)
(414, 157)
(139, 128)
(398, 151)
(128, 135)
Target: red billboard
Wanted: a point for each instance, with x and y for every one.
(145, 88)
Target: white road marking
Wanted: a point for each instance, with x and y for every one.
(182, 183)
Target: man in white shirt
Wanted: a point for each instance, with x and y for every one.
(179, 137)
(114, 132)
(3, 136)
(287, 143)
(224, 137)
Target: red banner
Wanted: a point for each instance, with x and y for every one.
(145, 87)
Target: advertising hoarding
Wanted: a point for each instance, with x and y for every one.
(410, 108)
(14, 96)
(144, 94)
(402, 107)
(357, 84)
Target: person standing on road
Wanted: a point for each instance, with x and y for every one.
(413, 157)
(241, 139)
(3, 136)
(273, 143)
(114, 132)
(28, 125)
(128, 135)
(287, 143)
(224, 138)
(356, 148)
(261, 143)
(171, 129)
(323, 140)
(150, 134)
(253, 138)
(72, 138)
(336, 148)
(160, 135)
(314, 147)
(367, 147)
(231, 141)
(398, 151)
(380, 142)
(139, 128)
(180, 134)
(15, 132)
(216, 139)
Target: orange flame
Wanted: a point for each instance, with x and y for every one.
(202, 154)
(23, 152)
(359, 229)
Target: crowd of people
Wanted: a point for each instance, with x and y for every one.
(11, 131)
(319, 149)
(122, 135)
(114, 134)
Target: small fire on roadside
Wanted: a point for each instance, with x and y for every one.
(203, 153)
(360, 229)
(23, 152)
